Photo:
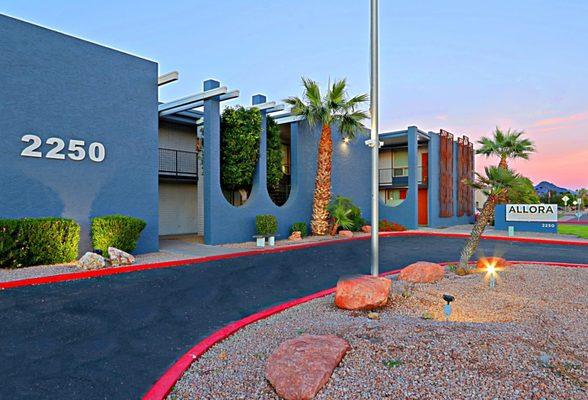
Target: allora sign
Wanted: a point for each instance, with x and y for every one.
(531, 212)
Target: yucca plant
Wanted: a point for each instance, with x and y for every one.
(332, 109)
(494, 184)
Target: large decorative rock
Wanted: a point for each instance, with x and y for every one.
(363, 293)
(498, 262)
(422, 272)
(300, 367)
(119, 257)
(345, 234)
(366, 229)
(295, 236)
(91, 261)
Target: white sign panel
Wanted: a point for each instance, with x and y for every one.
(531, 212)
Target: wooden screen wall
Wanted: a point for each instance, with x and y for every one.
(445, 174)
(465, 171)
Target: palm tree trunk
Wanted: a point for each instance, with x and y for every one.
(319, 224)
(503, 199)
(472, 244)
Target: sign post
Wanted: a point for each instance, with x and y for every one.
(526, 217)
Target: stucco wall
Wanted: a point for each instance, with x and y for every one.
(53, 85)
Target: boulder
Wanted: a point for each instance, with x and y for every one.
(345, 234)
(300, 367)
(363, 293)
(422, 272)
(91, 261)
(119, 257)
(498, 262)
(295, 236)
(366, 229)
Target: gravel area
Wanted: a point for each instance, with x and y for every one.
(16, 274)
(525, 339)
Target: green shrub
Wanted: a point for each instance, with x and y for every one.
(118, 231)
(35, 241)
(346, 214)
(274, 154)
(301, 227)
(266, 224)
(240, 135)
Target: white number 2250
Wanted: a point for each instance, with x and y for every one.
(76, 149)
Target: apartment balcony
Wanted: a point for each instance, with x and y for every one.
(398, 177)
(178, 164)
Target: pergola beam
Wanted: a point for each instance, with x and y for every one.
(195, 101)
(168, 78)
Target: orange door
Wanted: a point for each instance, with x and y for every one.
(425, 166)
(423, 207)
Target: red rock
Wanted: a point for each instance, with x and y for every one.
(498, 262)
(295, 236)
(300, 367)
(366, 229)
(422, 272)
(345, 234)
(363, 293)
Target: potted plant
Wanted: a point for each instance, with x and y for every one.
(266, 226)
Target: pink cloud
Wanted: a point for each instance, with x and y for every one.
(567, 120)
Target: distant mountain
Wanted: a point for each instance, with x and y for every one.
(543, 187)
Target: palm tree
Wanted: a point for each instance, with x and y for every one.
(496, 182)
(332, 109)
(506, 145)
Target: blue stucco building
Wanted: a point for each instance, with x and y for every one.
(84, 134)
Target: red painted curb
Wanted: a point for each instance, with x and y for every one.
(167, 381)
(164, 385)
(166, 264)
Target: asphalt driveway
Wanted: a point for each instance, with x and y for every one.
(112, 337)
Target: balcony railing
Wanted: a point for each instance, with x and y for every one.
(178, 164)
(399, 176)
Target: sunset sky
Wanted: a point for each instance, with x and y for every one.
(458, 65)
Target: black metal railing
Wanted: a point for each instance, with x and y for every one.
(399, 176)
(178, 164)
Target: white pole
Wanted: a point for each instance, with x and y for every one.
(375, 140)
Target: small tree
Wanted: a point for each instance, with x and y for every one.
(240, 133)
(526, 194)
(274, 154)
(495, 184)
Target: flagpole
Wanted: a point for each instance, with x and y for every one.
(375, 141)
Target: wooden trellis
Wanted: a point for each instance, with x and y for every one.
(465, 167)
(445, 174)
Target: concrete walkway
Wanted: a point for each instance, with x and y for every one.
(112, 337)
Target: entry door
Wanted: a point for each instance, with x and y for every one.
(177, 208)
(423, 207)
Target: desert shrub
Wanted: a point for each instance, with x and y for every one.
(34, 241)
(119, 231)
(266, 224)
(346, 214)
(387, 226)
(301, 227)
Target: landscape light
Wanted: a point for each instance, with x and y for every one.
(447, 307)
(346, 140)
(491, 272)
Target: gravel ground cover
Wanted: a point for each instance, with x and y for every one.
(16, 274)
(525, 339)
